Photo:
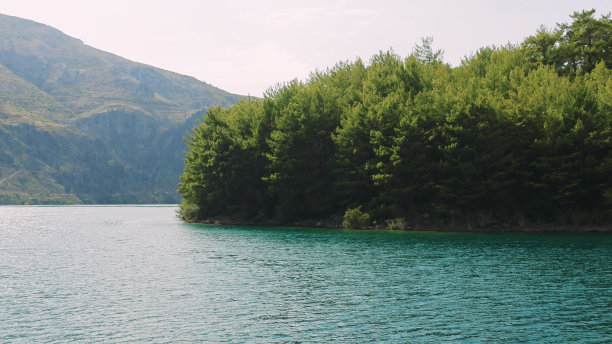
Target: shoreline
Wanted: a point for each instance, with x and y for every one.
(433, 228)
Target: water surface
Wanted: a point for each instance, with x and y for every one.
(137, 274)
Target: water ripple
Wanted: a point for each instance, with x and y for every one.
(136, 274)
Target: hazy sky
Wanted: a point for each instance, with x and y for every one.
(247, 46)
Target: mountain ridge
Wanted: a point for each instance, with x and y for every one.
(81, 125)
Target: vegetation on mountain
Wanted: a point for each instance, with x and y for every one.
(515, 134)
(81, 125)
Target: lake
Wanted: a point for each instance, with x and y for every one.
(122, 274)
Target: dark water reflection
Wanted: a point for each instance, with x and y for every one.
(136, 274)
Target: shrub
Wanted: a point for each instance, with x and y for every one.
(355, 218)
(187, 211)
(396, 224)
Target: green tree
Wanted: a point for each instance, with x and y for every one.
(586, 42)
(424, 51)
(574, 48)
(543, 46)
(301, 151)
(223, 165)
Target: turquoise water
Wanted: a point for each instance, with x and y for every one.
(137, 274)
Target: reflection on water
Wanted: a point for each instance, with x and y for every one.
(137, 274)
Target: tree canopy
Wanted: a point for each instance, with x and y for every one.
(515, 133)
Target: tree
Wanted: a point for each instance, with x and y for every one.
(424, 52)
(223, 167)
(301, 151)
(574, 48)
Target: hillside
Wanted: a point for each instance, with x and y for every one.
(78, 124)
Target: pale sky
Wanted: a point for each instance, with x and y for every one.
(245, 47)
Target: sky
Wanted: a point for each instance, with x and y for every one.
(246, 47)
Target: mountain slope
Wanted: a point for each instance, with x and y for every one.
(78, 124)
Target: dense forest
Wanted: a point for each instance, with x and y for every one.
(515, 135)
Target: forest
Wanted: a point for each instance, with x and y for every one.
(515, 135)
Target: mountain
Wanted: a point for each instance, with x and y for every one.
(80, 125)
